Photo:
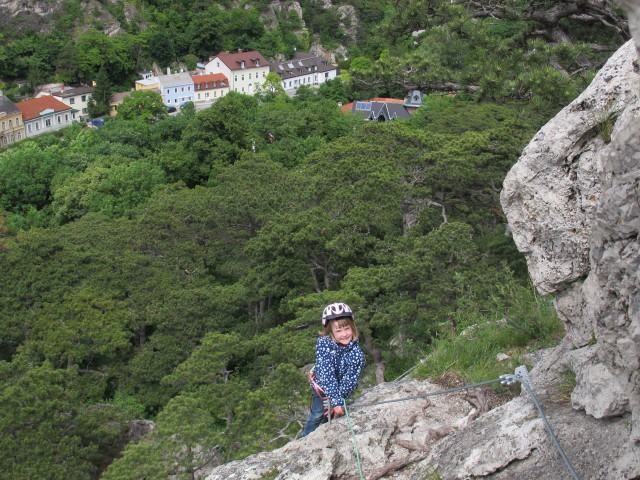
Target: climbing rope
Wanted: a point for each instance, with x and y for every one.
(353, 437)
(520, 375)
(408, 371)
(432, 394)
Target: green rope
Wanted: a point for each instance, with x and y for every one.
(353, 436)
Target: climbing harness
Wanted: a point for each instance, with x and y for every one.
(520, 375)
(326, 402)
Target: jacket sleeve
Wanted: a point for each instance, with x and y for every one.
(325, 369)
(349, 381)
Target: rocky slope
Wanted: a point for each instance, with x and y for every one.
(572, 202)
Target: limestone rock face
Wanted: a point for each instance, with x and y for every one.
(572, 202)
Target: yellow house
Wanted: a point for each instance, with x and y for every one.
(148, 82)
(11, 123)
(209, 88)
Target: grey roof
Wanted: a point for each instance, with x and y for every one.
(414, 99)
(175, 80)
(72, 92)
(301, 64)
(380, 110)
(7, 106)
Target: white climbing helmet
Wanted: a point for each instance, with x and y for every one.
(336, 310)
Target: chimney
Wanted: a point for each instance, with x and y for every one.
(168, 70)
(239, 50)
(62, 88)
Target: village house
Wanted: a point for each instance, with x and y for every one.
(75, 97)
(45, 114)
(244, 70)
(115, 100)
(176, 88)
(378, 109)
(208, 88)
(304, 69)
(413, 101)
(148, 82)
(11, 123)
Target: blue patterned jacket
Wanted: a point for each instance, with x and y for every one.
(338, 368)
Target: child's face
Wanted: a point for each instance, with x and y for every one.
(342, 332)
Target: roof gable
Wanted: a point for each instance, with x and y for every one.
(7, 106)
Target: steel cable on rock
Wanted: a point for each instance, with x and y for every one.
(521, 375)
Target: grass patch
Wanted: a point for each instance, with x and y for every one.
(566, 384)
(520, 321)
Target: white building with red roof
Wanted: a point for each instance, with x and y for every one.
(208, 88)
(244, 70)
(45, 114)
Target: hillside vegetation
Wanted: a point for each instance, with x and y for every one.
(175, 268)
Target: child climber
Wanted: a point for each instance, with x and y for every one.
(339, 362)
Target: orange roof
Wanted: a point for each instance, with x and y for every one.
(385, 100)
(209, 78)
(347, 107)
(31, 108)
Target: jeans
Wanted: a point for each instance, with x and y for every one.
(316, 414)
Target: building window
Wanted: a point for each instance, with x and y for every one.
(19, 136)
(4, 125)
(250, 76)
(4, 140)
(66, 117)
(215, 94)
(37, 125)
(176, 90)
(29, 128)
(182, 90)
(72, 101)
(243, 77)
(17, 122)
(264, 74)
(10, 123)
(206, 95)
(235, 78)
(84, 111)
(59, 118)
(84, 98)
(47, 122)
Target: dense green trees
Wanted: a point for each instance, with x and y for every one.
(185, 261)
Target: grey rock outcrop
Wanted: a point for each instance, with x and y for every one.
(572, 202)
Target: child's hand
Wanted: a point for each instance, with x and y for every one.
(338, 411)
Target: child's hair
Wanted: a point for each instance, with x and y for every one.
(341, 322)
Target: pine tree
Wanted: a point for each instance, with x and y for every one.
(99, 102)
